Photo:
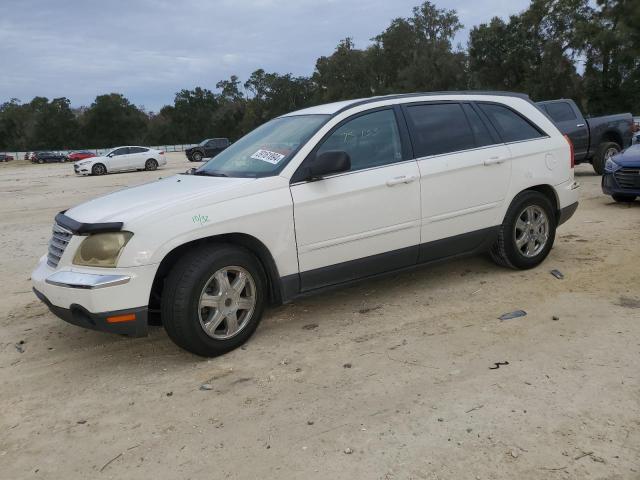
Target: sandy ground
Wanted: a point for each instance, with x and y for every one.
(389, 379)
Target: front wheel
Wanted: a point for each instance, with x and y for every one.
(150, 165)
(528, 232)
(98, 169)
(605, 151)
(213, 299)
(623, 198)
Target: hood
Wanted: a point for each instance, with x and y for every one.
(95, 158)
(629, 157)
(154, 198)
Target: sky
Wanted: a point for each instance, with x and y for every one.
(150, 49)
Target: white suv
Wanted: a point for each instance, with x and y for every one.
(311, 199)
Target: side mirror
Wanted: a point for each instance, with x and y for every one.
(328, 163)
(191, 171)
(110, 155)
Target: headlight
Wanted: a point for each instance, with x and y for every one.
(101, 249)
(611, 166)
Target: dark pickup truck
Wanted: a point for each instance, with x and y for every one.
(595, 139)
(208, 148)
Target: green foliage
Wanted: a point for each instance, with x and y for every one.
(555, 48)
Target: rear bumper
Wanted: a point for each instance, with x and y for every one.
(105, 322)
(611, 187)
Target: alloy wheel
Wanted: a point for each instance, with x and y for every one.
(227, 302)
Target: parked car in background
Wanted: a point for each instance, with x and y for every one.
(29, 156)
(80, 155)
(5, 157)
(376, 185)
(208, 148)
(636, 130)
(595, 139)
(621, 177)
(48, 157)
(121, 159)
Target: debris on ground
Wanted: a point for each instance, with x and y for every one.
(558, 274)
(477, 407)
(169, 394)
(555, 317)
(628, 302)
(310, 326)
(514, 453)
(346, 365)
(81, 422)
(348, 451)
(497, 365)
(286, 361)
(206, 386)
(310, 422)
(20, 346)
(512, 315)
(364, 311)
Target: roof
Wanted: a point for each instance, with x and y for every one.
(337, 107)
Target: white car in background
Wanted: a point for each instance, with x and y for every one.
(122, 159)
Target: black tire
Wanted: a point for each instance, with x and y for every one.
(196, 157)
(623, 198)
(98, 169)
(505, 252)
(602, 154)
(150, 165)
(40, 161)
(181, 296)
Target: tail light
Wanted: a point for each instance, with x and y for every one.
(571, 152)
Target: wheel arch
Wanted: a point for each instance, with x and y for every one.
(244, 240)
(612, 136)
(549, 192)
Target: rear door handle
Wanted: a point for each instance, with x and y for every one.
(402, 179)
(494, 160)
(580, 125)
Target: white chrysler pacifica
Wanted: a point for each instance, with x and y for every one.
(312, 199)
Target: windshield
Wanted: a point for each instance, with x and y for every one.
(266, 150)
(203, 142)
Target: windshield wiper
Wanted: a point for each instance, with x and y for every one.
(204, 173)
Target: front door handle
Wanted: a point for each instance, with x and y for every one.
(402, 179)
(580, 125)
(494, 160)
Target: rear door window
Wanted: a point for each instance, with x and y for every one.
(138, 150)
(510, 125)
(560, 112)
(439, 128)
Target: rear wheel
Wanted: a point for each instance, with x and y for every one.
(213, 299)
(528, 232)
(150, 165)
(197, 156)
(623, 198)
(605, 151)
(98, 169)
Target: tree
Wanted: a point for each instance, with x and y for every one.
(112, 120)
(611, 45)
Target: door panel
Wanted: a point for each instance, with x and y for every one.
(357, 215)
(120, 160)
(462, 192)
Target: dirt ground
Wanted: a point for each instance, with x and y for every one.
(390, 379)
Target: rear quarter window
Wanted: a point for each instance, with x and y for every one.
(511, 126)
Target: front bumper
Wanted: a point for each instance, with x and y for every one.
(112, 300)
(610, 186)
(131, 321)
(82, 169)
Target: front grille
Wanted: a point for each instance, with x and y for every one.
(628, 177)
(57, 245)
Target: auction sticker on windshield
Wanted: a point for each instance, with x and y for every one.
(267, 156)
